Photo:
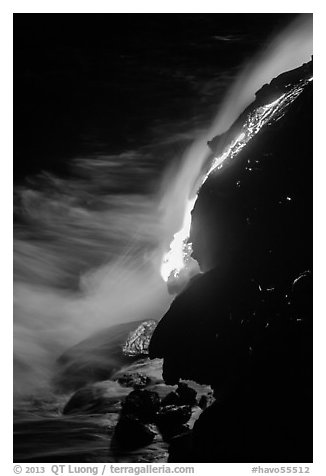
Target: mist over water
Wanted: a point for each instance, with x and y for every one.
(85, 259)
(88, 248)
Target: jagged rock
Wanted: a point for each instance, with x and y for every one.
(283, 82)
(172, 415)
(138, 340)
(205, 401)
(131, 433)
(135, 380)
(171, 420)
(184, 395)
(134, 428)
(141, 404)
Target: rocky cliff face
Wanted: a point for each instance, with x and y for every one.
(245, 325)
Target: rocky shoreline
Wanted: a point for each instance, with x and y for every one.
(149, 410)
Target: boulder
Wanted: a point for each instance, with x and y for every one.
(131, 433)
(206, 400)
(135, 380)
(172, 415)
(141, 404)
(183, 395)
(171, 420)
(137, 342)
(172, 398)
(135, 426)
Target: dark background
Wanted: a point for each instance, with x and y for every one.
(87, 84)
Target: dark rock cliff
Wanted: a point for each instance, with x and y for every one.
(245, 325)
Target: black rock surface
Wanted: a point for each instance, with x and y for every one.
(131, 433)
(135, 426)
(245, 325)
(172, 415)
(135, 380)
(186, 394)
(142, 404)
(171, 419)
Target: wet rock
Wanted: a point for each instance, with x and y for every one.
(137, 342)
(173, 415)
(187, 394)
(131, 433)
(172, 398)
(183, 395)
(134, 428)
(203, 402)
(135, 380)
(142, 404)
(206, 400)
(171, 420)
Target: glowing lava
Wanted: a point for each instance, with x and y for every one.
(180, 250)
(178, 258)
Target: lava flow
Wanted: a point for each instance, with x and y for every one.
(178, 260)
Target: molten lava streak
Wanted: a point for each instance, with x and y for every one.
(180, 250)
(178, 258)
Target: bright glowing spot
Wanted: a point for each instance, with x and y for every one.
(180, 250)
(175, 259)
(272, 104)
(179, 254)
